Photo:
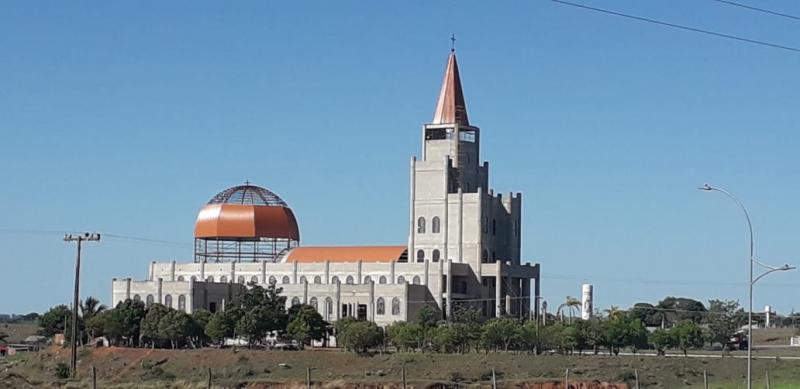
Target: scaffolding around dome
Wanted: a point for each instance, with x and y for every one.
(226, 250)
(245, 223)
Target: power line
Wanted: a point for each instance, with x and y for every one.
(750, 7)
(679, 26)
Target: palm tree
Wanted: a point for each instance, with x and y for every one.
(90, 307)
(571, 304)
(614, 312)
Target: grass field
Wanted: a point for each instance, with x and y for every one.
(124, 368)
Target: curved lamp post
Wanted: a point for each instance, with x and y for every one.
(753, 261)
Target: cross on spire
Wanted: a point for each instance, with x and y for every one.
(452, 42)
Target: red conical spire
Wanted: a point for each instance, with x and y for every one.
(451, 109)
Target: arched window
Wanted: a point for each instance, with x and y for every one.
(435, 225)
(317, 279)
(223, 279)
(193, 278)
(182, 303)
(436, 255)
(272, 280)
(421, 225)
(367, 279)
(485, 256)
(285, 280)
(254, 280)
(494, 226)
(149, 300)
(136, 297)
(168, 301)
(328, 307)
(241, 280)
(313, 302)
(420, 255)
(295, 300)
(180, 278)
(382, 280)
(485, 225)
(334, 279)
(401, 280)
(415, 280)
(349, 280)
(210, 279)
(380, 306)
(302, 279)
(395, 306)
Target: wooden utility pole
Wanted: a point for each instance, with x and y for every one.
(73, 362)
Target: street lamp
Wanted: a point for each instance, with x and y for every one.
(753, 261)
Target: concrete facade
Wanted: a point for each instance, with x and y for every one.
(464, 246)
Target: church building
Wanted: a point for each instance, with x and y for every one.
(464, 243)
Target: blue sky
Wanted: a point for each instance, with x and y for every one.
(126, 117)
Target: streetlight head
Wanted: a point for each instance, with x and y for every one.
(705, 187)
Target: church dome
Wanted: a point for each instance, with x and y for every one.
(246, 213)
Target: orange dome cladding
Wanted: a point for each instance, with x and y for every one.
(246, 212)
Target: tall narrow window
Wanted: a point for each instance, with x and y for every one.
(382, 280)
(254, 279)
(421, 225)
(380, 306)
(328, 307)
(349, 280)
(168, 301)
(302, 279)
(494, 226)
(485, 256)
(420, 255)
(395, 306)
(240, 280)
(415, 280)
(436, 256)
(313, 302)
(367, 279)
(295, 301)
(223, 279)
(180, 278)
(272, 280)
(149, 300)
(334, 279)
(401, 280)
(435, 225)
(182, 303)
(317, 279)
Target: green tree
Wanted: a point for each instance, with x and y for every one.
(197, 335)
(592, 334)
(687, 335)
(661, 340)
(531, 337)
(428, 316)
(678, 309)
(54, 320)
(96, 324)
(150, 324)
(635, 334)
(263, 312)
(220, 325)
(500, 333)
(405, 336)
(358, 336)
(722, 320)
(124, 322)
(305, 324)
(174, 327)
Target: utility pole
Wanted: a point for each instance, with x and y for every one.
(73, 362)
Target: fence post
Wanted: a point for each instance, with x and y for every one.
(94, 377)
(494, 380)
(636, 375)
(768, 386)
(566, 379)
(403, 373)
(308, 378)
(208, 382)
(705, 379)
